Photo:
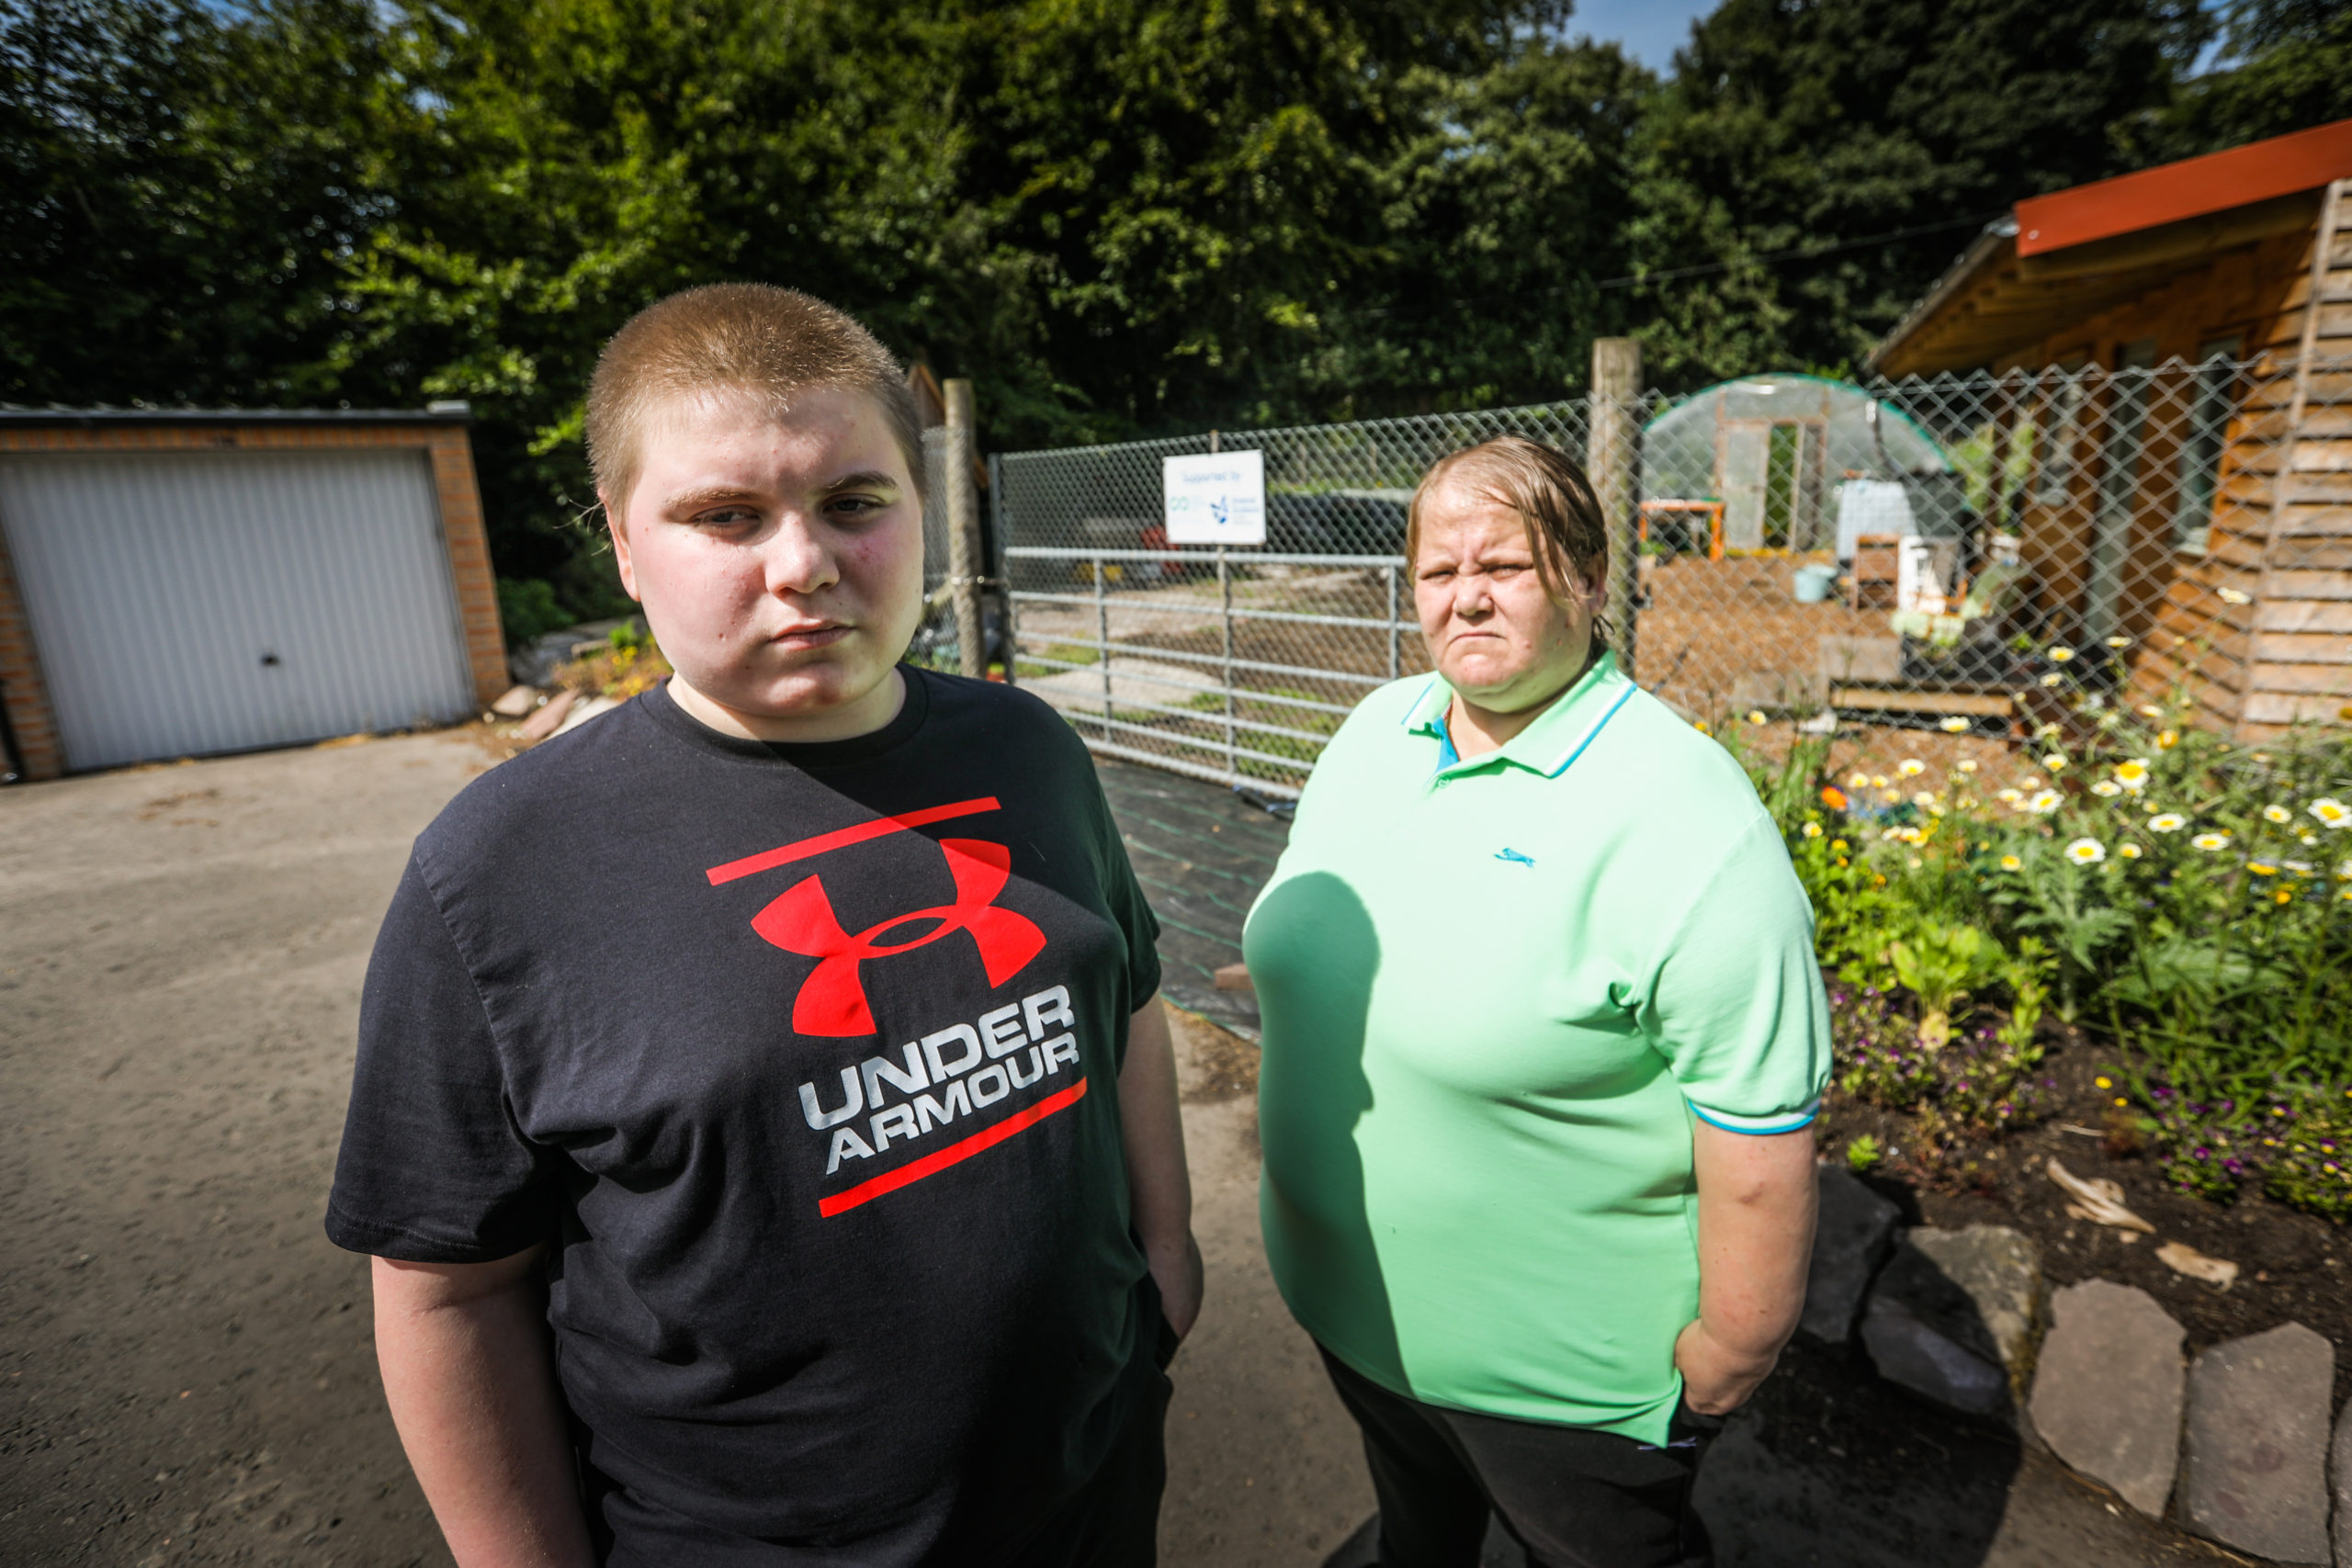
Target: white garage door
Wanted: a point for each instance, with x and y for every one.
(192, 602)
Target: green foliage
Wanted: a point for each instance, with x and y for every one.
(2189, 897)
(1940, 963)
(2287, 64)
(528, 611)
(1119, 219)
(1802, 124)
(1863, 1153)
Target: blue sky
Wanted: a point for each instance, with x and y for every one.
(1651, 30)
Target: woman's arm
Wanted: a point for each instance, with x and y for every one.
(1756, 1209)
(463, 1352)
(1159, 1186)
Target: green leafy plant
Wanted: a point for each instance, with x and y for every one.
(1863, 1155)
(1942, 964)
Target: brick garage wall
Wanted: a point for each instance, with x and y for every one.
(445, 444)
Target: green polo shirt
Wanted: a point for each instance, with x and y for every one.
(1495, 992)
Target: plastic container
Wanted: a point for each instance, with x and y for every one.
(1813, 583)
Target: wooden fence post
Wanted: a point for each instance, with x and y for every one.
(964, 530)
(1613, 462)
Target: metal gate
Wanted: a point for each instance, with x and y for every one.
(191, 602)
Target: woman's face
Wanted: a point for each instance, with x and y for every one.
(1492, 631)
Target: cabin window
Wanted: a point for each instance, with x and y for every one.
(2211, 401)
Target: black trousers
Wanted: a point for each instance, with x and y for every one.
(1573, 1498)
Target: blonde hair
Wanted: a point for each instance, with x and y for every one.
(1549, 491)
(766, 342)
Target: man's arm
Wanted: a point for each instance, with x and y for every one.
(1160, 1187)
(1756, 1211)
(463, 1352)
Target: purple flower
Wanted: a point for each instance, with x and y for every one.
(2201, 1152)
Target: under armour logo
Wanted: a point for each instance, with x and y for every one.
(801, 921)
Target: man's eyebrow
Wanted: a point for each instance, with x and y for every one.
(864, 478)
(709, 495)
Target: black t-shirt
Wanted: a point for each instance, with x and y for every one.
(804, 1060)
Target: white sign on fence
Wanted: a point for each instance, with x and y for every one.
(1216, 498)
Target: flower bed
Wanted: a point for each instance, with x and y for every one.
(2188, 900)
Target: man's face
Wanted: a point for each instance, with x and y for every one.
(779, 561)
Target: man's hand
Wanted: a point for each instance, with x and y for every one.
(1756, 1214)
(1160, 1187)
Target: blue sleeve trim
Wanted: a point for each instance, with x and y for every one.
(1757, 1126)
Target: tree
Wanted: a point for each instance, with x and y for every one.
(178, 188)
(1818, 126)
(2286, 67)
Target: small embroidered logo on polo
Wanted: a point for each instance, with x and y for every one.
(1515, 856)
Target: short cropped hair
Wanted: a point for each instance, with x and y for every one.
(769, 343)
(1548, 491)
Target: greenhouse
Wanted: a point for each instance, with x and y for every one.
(1760, 463)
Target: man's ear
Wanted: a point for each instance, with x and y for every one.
(621, 558)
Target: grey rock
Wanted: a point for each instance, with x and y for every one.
(1975, 1292)
(1909, 1351)
(2343, 1479)
(1852, 1239)
(2253, 1465)
(2108, 1387)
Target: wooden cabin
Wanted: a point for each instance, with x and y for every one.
(2165, 361)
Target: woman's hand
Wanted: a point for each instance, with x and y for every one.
(1756, 1203)
(1718, 1378)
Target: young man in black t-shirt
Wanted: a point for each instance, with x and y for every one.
(764, 1123)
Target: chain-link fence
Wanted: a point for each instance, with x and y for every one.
(1979, 555)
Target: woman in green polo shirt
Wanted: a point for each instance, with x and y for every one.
(1544, 1031)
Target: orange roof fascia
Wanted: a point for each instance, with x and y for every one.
(2190, 188)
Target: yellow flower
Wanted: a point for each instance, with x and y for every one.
(2055, 762)
(1878, 781)
(2285, 896)
(2046, 803)
(2261, 868)
(2053, 679)
(2276, 814)
(2086, 851)
(2059, 655)
(2010, 796)
(1955, 725)
(1838, 844)
(1889, 795)
(2132, 774)
(1858, 781)
(2167, 740)
(2128, 852)
(1813, 829)
(2120, 1100)
(2333, 813)
(2010, 863)
(1924, 797)
(1754, 716)
(2150, 710)
(2167, 822)
(2104, 1082)
(1968, 764)
(1703, 726)
(2211, 842)
(1911, 767)
(2119, 642)
(2107, 789)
